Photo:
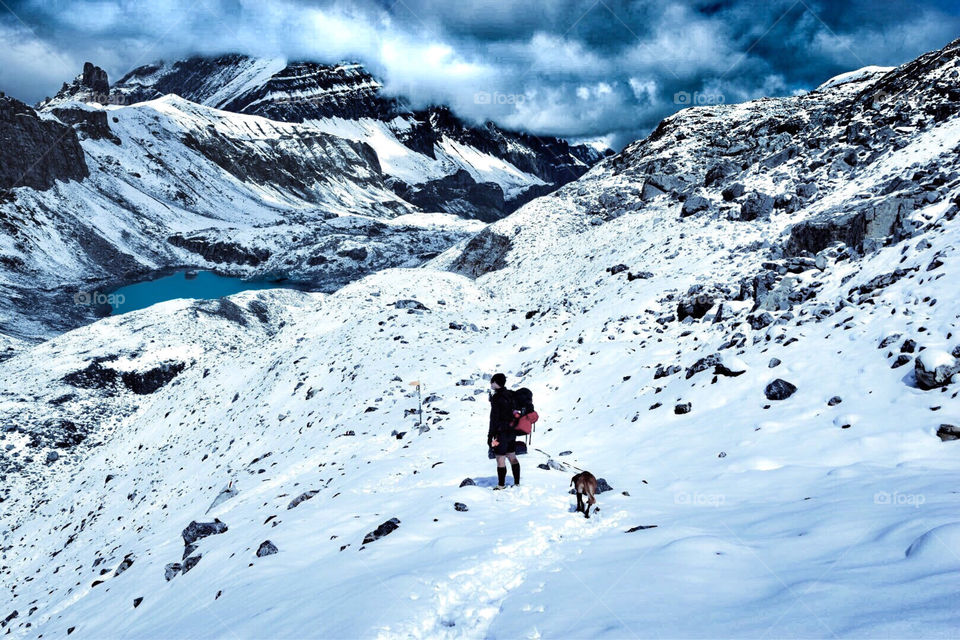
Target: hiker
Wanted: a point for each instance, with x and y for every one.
(501, 436)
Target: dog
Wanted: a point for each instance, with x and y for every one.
(585, 483)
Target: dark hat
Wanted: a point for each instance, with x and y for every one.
(500, 379)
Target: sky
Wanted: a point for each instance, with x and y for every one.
(580, 69)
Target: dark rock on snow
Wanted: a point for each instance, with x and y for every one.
(267, 548)
(384, 529)
(199, 530)
(779, 390)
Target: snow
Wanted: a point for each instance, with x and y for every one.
(870, 72)
(934, 358)
(762, 518)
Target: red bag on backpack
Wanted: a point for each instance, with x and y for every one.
(525, 422)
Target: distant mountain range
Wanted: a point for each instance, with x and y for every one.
(247, 166)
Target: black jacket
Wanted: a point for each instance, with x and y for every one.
(501, 419)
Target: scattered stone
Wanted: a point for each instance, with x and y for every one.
(267, 548)
(614, 270)
(124, 565)
(136, 602)
(948, 432)
(779, 390)
(52, 457)
(934, 368)
(774, 362)
(564, 453)
(663, 373)
(681, 409)
(199, 530)
(191, 562)
(889, 340)
(468, 482)
(908, 346)
(733, 192)
(384, 529)
(694, 204)
(760, 321)
(303, 497)
(900, 361)
(459, 506)
(730, 366)
(171, 570)
(757, 205)
(640, 527)
(410, 304)
(603, 486)
(834, 401)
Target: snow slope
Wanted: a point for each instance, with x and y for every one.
(830, 512)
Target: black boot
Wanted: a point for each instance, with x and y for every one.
(515, 466)
(501, 477)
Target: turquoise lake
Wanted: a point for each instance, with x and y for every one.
(205, 285)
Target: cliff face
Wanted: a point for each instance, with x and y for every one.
(36, 152)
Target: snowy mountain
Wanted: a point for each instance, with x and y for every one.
(249, 167)
(170, 183)
(419, 150)
(744, 323)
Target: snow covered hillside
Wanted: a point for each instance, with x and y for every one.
(745, 323)
(250, 167)
(172, 183)
(421, 151)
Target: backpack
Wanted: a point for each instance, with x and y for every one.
(526, 416)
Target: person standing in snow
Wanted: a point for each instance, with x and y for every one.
(501, 436)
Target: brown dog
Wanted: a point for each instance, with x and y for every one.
(585, 483)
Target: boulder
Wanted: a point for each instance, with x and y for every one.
(662, 372)
(384, 529)
(468, 482)
(948, 432)
(730, 366)
(303, 497)
(708, 362)
(683, 408)
(695, 304)
(410, 304)
(267, 548)
(733, 192)
(199, 530)
(935, 368)
(459, 506)
(694, 204)
(779, 390)
(720, 172)
(757, 205)
(191, 562)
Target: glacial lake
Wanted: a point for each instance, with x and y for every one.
(205, 285)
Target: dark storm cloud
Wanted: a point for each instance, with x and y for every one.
(576, 68)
